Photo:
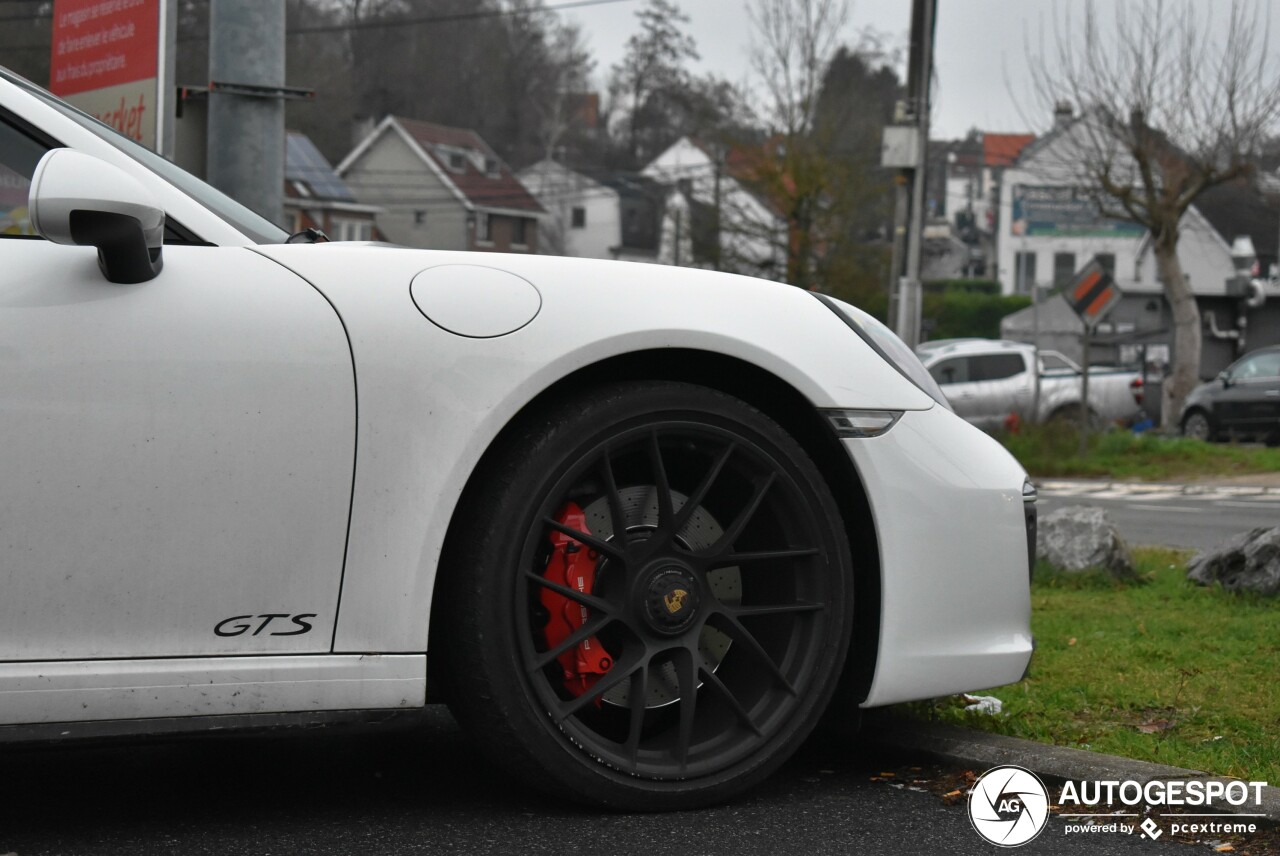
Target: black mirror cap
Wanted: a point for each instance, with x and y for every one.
(123, 254)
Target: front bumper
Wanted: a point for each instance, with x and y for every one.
(955, 539)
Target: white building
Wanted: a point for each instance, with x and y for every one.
(585, 216)
(1049, 228)
(751, 234)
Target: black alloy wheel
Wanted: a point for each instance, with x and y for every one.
(657, 605)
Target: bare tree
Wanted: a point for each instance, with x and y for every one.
(795, 43)
(1171, 105)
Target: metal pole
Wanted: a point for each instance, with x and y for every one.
(167, 85)
(915, 231)
(1084, 392)
(902, 201)
(246, 132)
(1035, 339)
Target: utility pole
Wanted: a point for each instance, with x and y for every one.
(246, 106)
(909, 214)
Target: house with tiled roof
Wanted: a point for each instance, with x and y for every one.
(441, 188)
(316, 198)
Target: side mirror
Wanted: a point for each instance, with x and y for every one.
(1225, 377)
(77, 199)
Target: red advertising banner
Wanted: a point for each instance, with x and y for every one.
(100, 43)
(106, 61)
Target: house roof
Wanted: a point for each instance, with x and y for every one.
(1003, 149)
(499, 189)
(743, 164)
(303, 163)
(1234, 210)
(478, 178)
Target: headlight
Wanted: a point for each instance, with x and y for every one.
(885, 343)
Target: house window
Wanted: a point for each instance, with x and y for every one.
(353, 230)
(1024, 272)
(491, 168)
(519, 230)
(484, 229)
(1064, 268)
(1108, 262)
(457, 162)
(420, 217)
(579, 220)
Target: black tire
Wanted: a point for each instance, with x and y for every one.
(1197, 426)
(1069, 414)
(725, 610)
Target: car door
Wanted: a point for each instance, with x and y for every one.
(1003, 385)
(1251, 401)
(177, 455)
(953, 375)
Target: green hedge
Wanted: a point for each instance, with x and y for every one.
(972, 286)
(960, 314)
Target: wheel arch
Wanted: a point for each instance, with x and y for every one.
(769, 394)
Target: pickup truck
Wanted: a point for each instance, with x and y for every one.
(988, 380)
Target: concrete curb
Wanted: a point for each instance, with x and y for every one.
(979, 751)
(1085, 487)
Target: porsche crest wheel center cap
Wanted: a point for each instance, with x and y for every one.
(671, 599)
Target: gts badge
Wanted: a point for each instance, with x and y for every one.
(238, 625)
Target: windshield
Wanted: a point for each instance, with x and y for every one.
(252, 225)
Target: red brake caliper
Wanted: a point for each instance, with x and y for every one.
(573, 565)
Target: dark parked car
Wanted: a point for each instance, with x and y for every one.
(1243, 401)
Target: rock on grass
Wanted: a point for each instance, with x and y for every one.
(1249, 561)
(1077, 538)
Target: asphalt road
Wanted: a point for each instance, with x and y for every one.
(1152, 515)
(427, 791)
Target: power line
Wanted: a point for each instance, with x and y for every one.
(441, 19)
(393, 22)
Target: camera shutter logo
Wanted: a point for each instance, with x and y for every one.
(1008, 806)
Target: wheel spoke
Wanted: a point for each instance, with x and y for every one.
(724, 544)
(713, 680)
(639, 700)
(751, 643)
(775, 609)
(603, 607)
(616, 514)
(687, 678)
(591, 541)
(763, 556)
(660, 482)
(615, 676)
(691, 505)
(591, 628)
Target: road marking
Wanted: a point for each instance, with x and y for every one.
(1229, 504)
(1164, 508)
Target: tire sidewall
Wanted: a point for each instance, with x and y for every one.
(530, 469)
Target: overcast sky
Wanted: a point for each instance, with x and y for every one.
(980, 45)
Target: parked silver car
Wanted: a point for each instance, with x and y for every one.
(987, 380)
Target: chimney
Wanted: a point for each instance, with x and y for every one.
(1062, 114)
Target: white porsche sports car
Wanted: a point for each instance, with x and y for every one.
(635, 524)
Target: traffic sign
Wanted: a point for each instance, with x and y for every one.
(1092, 294)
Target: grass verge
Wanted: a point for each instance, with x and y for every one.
(1053, 450)
(1157, 669)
